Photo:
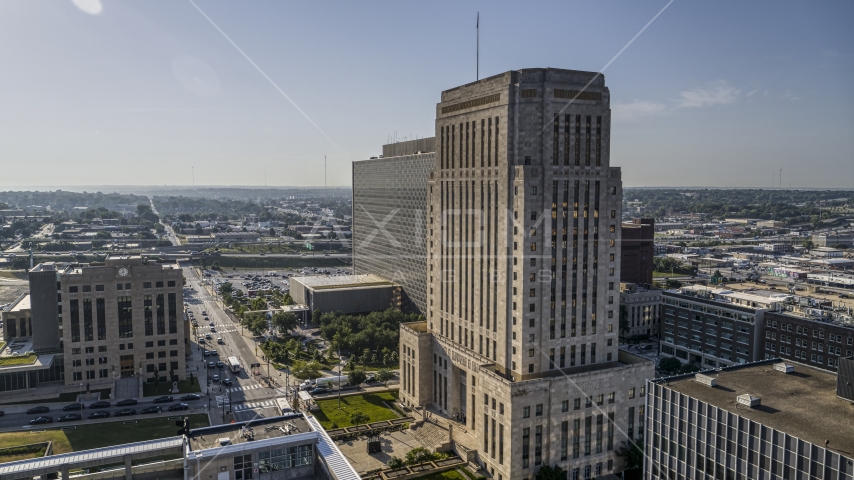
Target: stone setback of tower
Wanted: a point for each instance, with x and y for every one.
(523, 228)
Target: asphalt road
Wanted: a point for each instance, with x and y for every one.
(16, 418)
(247, 394)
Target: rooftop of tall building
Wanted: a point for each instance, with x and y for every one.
(802, 403)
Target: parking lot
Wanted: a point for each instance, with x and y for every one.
(249, 281)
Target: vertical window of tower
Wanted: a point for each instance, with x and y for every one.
(587, 142)
(556, 140)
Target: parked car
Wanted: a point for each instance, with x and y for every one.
(69, 417)
(126, 402)
(370, 378)
(154, 409)
(100, 404)
(207, 353)
(211, 364)
(36, 410)
(225, 381)
(73, 406)
(191, 396)
(318, 391)
(99, 414)
(215, 378)
(126, 412)
(41, 420)
(220, 365)
(214, 353)
(178, 406)
(163, 399)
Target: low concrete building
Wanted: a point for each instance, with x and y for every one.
(346, 294)
(17, 318)
(827, 239)
(765, 420)
(290, 447)
(642, 304)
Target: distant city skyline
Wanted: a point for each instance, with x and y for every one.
(176, 93)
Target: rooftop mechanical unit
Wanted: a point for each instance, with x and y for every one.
(749, 400)
(784, 367)
(706, 380)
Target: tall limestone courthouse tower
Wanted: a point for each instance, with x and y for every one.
(523, 257)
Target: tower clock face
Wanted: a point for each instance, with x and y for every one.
(123, 272)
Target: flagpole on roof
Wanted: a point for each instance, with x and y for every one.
(477, 68)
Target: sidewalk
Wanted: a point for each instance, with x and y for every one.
(49, 393)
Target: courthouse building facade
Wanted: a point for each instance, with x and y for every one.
(523, 230)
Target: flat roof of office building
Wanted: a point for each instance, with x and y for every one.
(260, 430)
(802, 403)
(321, 282)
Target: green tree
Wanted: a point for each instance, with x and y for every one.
(272, 232)
(384, 375)
(809, 245)
(358, 418)
(285, 321)
(225, 289)
(669, 366)
(255, 322)
(258, 303)
(418, 455)
(394, 463)
(357, 376)
(103, 235)
(305, 370)
(632, 453)
(547, 472)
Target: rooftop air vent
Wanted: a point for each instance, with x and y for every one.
(784, 367)
(706, 380)
(749, 400)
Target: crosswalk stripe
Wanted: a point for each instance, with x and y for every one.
(249, 406)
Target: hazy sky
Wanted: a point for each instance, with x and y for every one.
(716, 93)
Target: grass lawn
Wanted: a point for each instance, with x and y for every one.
(453, 474)
(19, 360)
(666, 274)
(165, 388)
(371, 404)
(98, 435)
(16, 274)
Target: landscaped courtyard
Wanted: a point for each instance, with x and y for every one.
(377, 407)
